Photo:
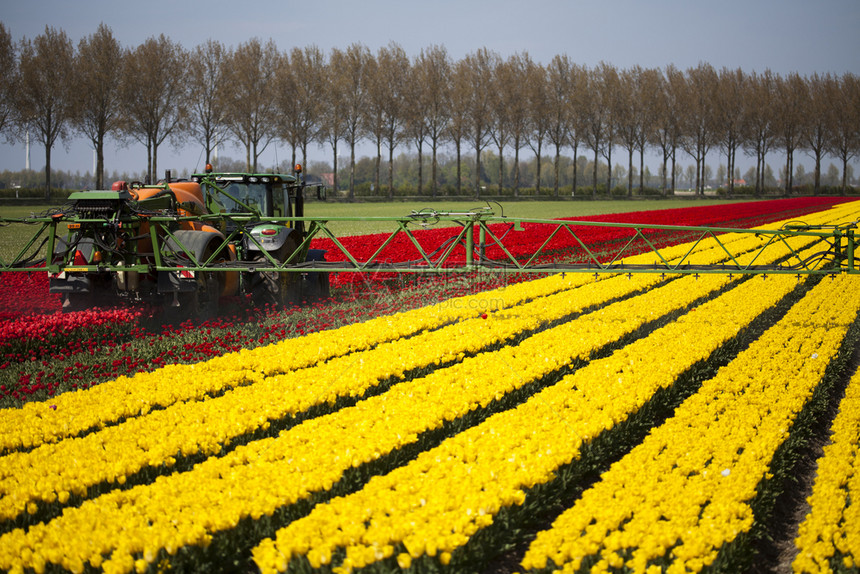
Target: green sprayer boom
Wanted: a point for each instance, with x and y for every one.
(474, 234)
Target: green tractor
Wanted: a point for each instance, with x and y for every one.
(184, 244)
(263, 242)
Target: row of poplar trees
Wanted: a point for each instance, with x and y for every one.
(255, 94)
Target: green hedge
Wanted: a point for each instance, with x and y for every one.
(33, 196)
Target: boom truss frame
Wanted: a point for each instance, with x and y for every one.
(474, 233)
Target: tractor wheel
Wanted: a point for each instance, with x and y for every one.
(100, 296)
(73, 302)
(315, 284)
(316, 287)
(324, 286)
(272, 287)
(202, 303)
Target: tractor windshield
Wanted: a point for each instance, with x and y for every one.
(241, 196)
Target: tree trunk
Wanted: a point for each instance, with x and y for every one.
(207, 151)
(390, 172)
(47, 172)
(664, 179)
(433, 169)
(516, 167)
(817, 189)
(477, 169)
(352, 169)
(379, 167)
(100, 162)
(148, 161)
(699, 187)
(609, 170)
(420, 167)
(674, 152)
(630, 172)
(758, 172)
(154, 162)
(501, 169)
(334, 151)
(730, 165)
(557, 168)
(459, 169)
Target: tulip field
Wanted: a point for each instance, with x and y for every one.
(569, 422)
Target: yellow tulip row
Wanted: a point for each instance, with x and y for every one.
(434, 504)
(72, 413)
(191, 486)
(53, 472)
(829, 536)
(686, 490)
(258, 478)
(313, 455)
(119, 523)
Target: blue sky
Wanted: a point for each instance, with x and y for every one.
(781, 35)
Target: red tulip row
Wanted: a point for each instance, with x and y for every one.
(25, 294)
(87, 355)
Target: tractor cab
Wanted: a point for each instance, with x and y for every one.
(264, 195)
